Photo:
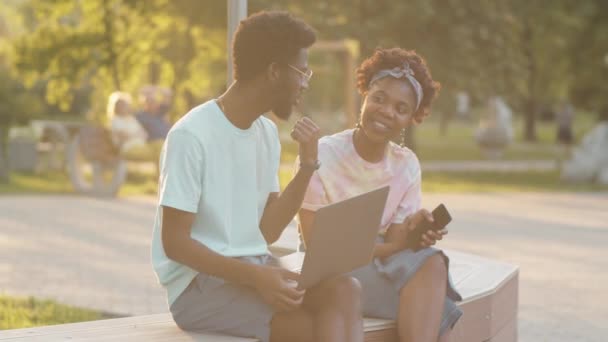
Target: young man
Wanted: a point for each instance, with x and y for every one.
(219, 202)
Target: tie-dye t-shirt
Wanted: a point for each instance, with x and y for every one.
(344, 174)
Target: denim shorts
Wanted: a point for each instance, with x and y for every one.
(381, 282)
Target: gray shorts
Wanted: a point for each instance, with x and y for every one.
(382, 281)
(211, 304)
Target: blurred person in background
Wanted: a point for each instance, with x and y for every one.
(564, 116)
(495, 130)
(127, 133)
(153, 116)
(589, 161)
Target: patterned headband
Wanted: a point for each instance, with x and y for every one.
(402, 72)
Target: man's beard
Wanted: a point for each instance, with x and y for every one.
(283, 105)
(282, 109)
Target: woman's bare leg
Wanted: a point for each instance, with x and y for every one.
(421, 302)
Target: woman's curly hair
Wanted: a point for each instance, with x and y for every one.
(396, 57)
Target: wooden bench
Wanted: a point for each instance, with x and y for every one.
(158, 327)
(490, 297)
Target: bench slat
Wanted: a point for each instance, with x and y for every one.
(475, 276)
(135, 334)
(88, 326)
(158, 327)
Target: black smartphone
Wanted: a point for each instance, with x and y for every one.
(441, 218)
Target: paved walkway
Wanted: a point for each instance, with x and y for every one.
(95, 253)
(82, 251)
(490, 165)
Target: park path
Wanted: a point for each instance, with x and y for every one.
(95, 253)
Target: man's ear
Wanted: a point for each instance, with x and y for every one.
(273, 72)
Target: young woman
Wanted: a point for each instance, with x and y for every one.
(408, 281)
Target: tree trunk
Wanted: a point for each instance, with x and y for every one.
(108, 22)
(365, 46)
(530, 120)
(4, 167)
(530, 102)
(444, 121)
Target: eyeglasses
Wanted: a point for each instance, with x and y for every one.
(307, 75)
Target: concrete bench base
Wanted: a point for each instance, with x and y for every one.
(490, 298)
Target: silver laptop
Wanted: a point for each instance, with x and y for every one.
(342, 238)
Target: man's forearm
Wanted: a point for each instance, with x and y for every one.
(281, 211)
(199, 257)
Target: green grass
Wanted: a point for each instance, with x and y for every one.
(139, 183)
(18, 313)
(59, 183)
(25, 183)
(540, 181)
(458, 143)
(487, 182)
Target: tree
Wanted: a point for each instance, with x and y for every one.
(527, 51)
(589, 68)
(16, 104)
(460, 39)
(529, 54)
(110, 45)
(545, 37)
(82, 43)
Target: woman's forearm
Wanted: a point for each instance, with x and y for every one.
(384, 250)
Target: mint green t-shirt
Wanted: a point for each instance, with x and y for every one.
(224, 175)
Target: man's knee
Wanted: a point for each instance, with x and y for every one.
(344, 291)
